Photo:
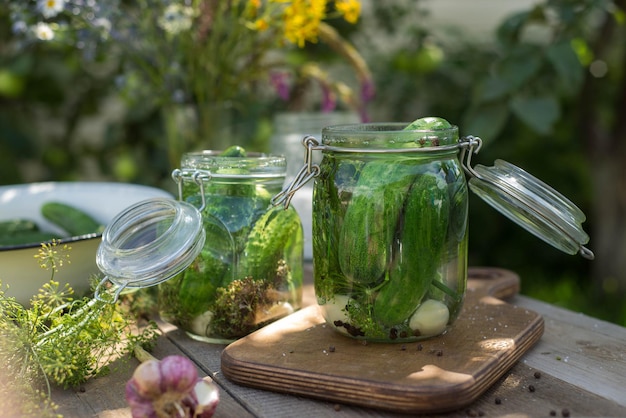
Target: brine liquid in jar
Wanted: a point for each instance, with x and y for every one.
(390, 230)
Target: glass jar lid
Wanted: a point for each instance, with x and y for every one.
(532, 204)
(149, 243)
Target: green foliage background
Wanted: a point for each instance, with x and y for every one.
(524, 91)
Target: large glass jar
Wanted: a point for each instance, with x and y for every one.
(249, 271)
(390, 231)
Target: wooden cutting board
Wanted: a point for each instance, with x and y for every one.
(301, 355)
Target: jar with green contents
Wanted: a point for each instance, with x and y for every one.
(226, 261)
(390, 224)
(249, 271)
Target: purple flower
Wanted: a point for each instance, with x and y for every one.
(280, 82)
(329, 100)
(368, 90)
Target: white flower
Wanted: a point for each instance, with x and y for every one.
(43, 31)
(176, 18)
(103, 25)
(50, 8)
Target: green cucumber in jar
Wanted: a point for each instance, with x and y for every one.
(371, 218)
(265, 248)
(422, 233)
(372, 215)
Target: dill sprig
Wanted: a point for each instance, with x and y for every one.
(59, 340)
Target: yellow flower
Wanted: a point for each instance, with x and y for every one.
(350, 9)
(260, 24)
(301, 19)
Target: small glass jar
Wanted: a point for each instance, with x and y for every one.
(390, 224)
(249, 271)
(390, 231)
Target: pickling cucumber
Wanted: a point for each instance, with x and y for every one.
(371, 218)
(422, 234)
(27, 237)
(267, 242)
(72, 220)
(17, 226)
(234, 151)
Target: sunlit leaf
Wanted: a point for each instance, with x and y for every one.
(539, 113)
(582, 50)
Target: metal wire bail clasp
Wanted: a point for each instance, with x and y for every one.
(469, 145)
(306, 173)
(198, 177)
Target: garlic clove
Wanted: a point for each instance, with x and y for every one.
(207, 395)
(334, 310)
(430, 318)
(147, 379)
(200, 324)
(178, 374)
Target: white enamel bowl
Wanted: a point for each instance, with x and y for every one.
(103, 201)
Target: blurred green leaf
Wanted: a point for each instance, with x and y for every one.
(565, 61)
(508, 32)
(523, 63)
(492, 88)
(513, 72)
(485, 121)
(539, 113)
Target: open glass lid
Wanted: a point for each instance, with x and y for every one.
(528, 201)
(148, 243)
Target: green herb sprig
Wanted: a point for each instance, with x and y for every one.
(59, 340)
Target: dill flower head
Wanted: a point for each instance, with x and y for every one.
(51, 255)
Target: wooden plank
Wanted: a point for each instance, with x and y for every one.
(301, 355)
(584, 351)
(512, 396)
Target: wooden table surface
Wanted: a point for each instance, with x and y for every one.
(580, 361)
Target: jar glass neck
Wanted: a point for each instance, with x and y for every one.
(387, 137)
(256, 165)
